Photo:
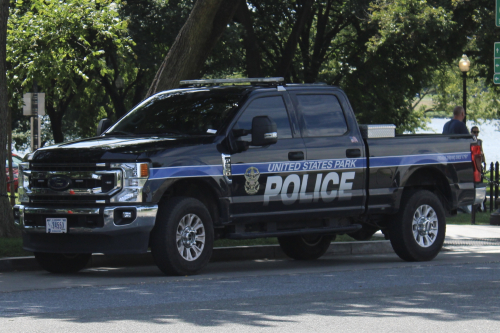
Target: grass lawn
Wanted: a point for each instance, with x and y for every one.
(481, 218)
(12, 247)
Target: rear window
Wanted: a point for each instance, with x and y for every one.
(322, 115)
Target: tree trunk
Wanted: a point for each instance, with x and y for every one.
(56, 124)
(186, 57)
(293, 40)
(7, 227)
(116, 98)
(253, 61)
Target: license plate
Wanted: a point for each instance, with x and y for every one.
(57, 225)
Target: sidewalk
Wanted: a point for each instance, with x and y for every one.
(456, 235)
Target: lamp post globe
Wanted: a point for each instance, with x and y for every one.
(464, 65)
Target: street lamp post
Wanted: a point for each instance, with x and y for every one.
(464, 65)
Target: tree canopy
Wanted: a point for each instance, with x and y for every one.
(97, 59)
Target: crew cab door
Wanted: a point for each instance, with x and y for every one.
(336, 161)
(259, 173)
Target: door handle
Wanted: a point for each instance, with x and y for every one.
(353, 153)
(295, 156)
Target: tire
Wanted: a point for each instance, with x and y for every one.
(183, 237)
(419, 210)
(363, 234)
(61, 263)
(305, 247)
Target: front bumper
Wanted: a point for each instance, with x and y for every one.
(110, 234)
(480, 193)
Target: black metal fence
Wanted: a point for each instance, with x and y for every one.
(493, 181)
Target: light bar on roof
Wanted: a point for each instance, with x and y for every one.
(241, 80)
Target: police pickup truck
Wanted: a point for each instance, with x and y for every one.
(241, 159)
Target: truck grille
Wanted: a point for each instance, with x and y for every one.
(81, 183)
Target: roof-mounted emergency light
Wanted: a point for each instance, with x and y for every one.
(261, 80)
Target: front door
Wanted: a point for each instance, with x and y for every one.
(260, 173)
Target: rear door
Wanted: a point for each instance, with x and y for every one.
(335, 161)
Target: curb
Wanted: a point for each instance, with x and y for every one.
(219, 254)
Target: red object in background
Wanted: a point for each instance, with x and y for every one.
(16, 159)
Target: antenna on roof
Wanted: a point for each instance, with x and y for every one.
(272, 81)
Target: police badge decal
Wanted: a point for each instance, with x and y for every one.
(252, 185)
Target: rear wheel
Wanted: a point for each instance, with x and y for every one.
(182, 239)
(418, 232)
(305, 247)
(62, 262)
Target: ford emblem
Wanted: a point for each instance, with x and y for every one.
(59, 183)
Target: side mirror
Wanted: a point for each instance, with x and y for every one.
(264, 131)
(104, 124)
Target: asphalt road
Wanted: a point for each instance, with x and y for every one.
(457, 292)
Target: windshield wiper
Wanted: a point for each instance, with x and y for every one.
(119, 133)
(169, 132)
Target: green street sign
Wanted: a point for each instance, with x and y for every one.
(497, 65)
(496, 60)
(496, 79)
(497, 13)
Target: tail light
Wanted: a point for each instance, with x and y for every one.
(476, 162)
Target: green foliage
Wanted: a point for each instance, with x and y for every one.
(383, 53)
(12, 247)
(62, 42)
(482, 100)
(65, 46)
(405, 49)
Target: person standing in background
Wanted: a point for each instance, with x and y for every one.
(475, 132)
(456, 124)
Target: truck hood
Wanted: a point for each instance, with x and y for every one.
(114, 148)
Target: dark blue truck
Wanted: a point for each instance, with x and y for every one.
(241, 159)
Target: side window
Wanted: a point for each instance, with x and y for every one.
(323, 115)
(274, 107)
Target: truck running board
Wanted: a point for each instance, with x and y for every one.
(308, 231)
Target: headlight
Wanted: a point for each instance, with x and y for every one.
(135, 176)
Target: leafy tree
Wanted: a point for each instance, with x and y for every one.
(186, 58)
(65, 46)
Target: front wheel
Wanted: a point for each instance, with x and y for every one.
(418, 232)
(182, 239)
(305, 247)
(62, 262)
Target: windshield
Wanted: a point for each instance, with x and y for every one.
(180, 113)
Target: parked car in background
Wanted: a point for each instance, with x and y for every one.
(16, 159)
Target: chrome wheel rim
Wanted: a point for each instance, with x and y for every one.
(425, 226)
(190, 237)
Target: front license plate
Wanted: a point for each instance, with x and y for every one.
(57, 225)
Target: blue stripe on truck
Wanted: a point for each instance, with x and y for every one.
(304, 166)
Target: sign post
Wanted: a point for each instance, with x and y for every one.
(34, 106)
(496, 58)
(497, 13)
